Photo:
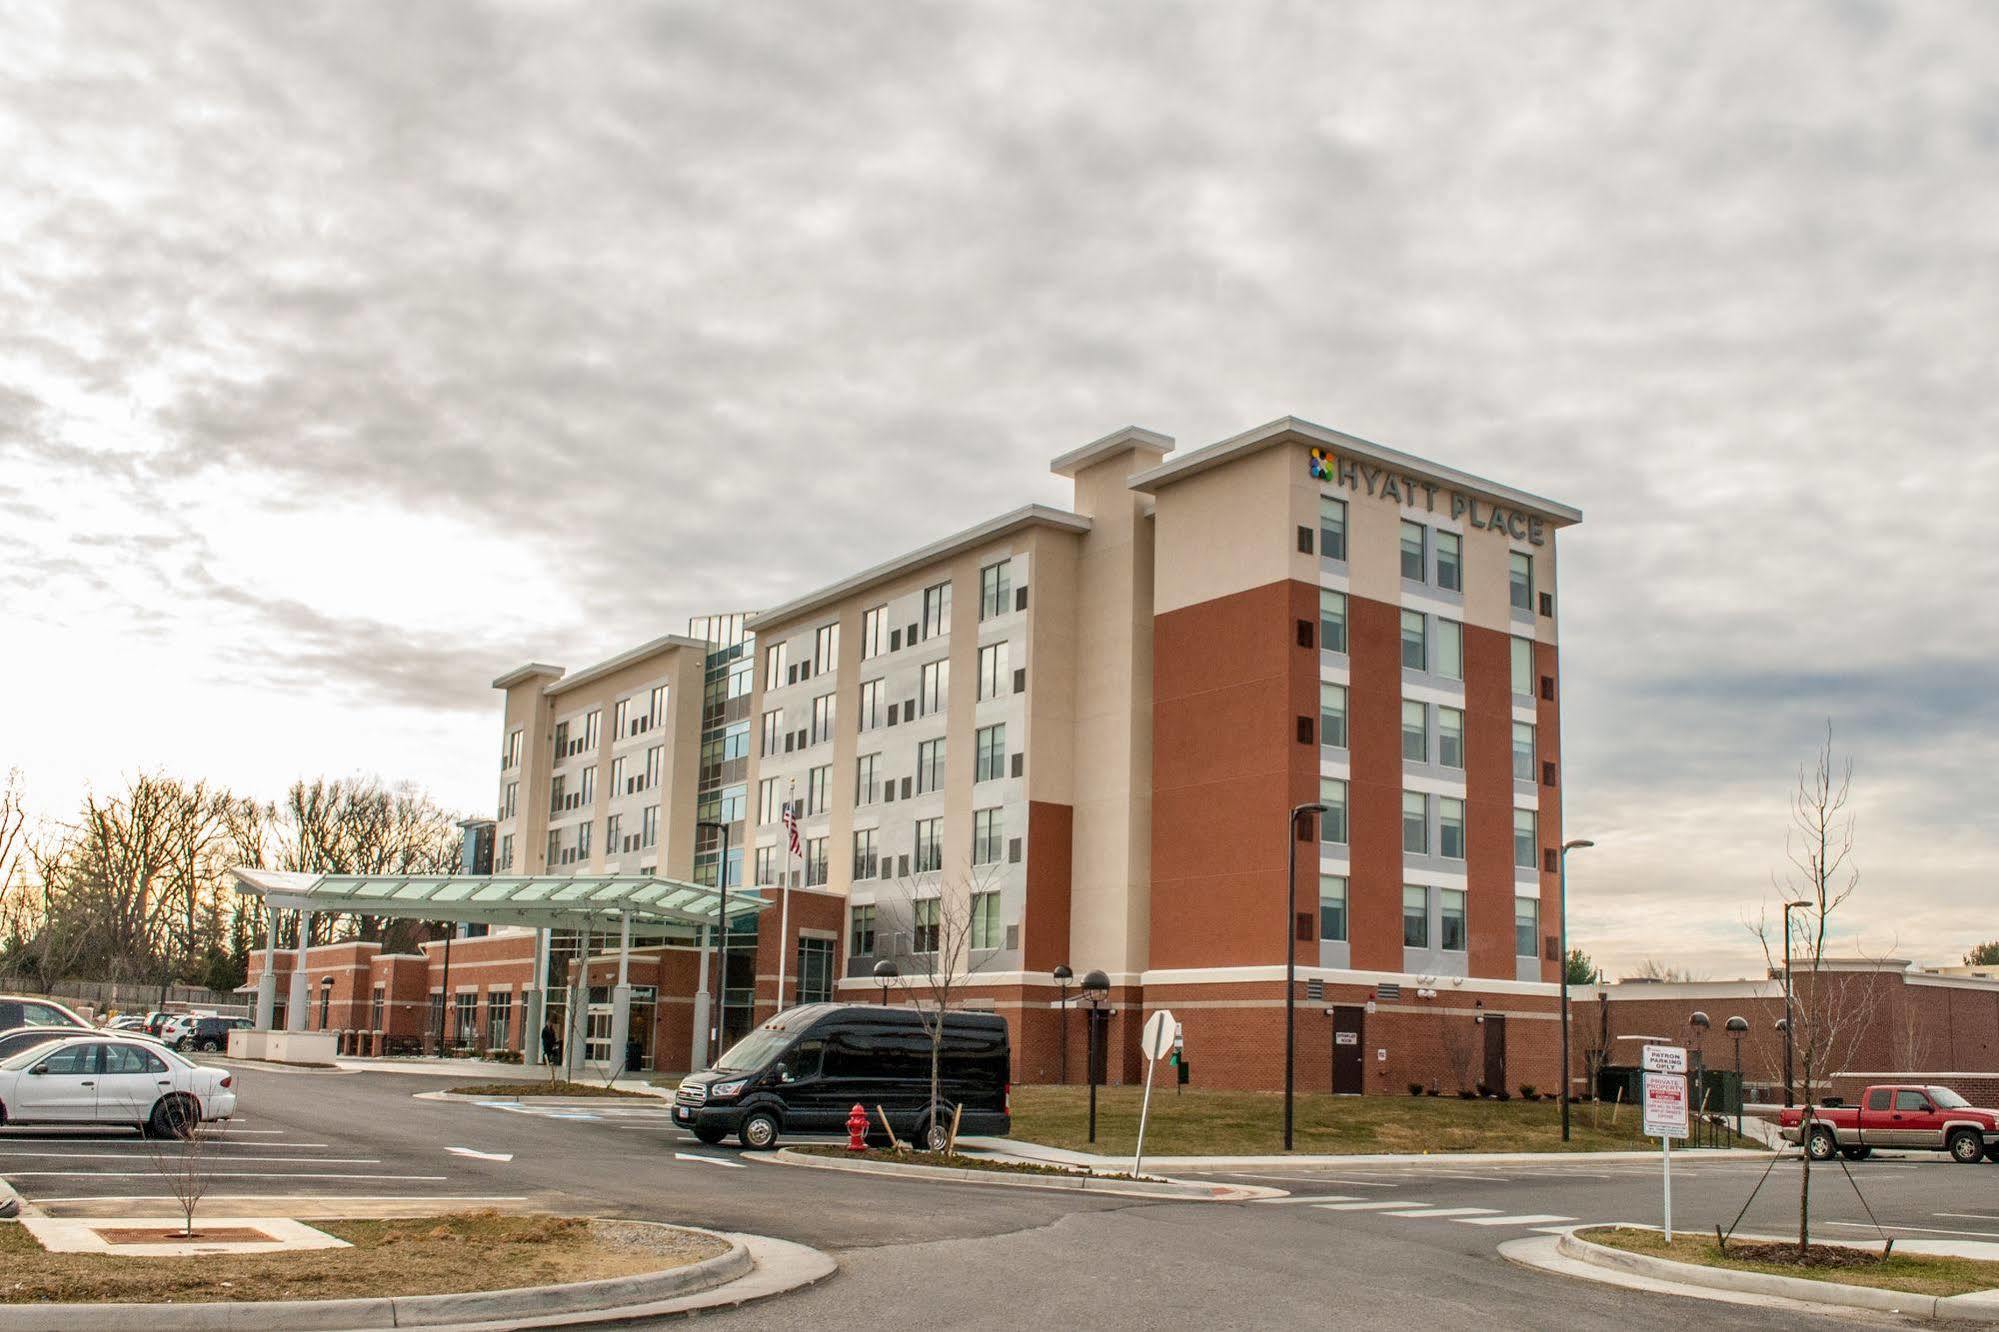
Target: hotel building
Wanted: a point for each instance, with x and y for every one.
(1077, 736)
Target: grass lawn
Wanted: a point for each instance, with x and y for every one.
(1239, 1123)
(544, 1088)
(422, 1256)
(1917, 1274)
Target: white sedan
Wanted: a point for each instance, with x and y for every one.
(101, 1079)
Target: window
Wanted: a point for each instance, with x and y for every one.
(822, 719)
(989, 762)
(933, 687)
(924, 917)
(506, 852)
(554, 849)
(1523, 751)
(993, 671)
(1415, 731)
(619, 713)
(1524, 838)
(988, 836)
(867, 858)
(766, 865)
(510, 755)
(1415, 916)
(986, 931)
(1450, 562)
(770, 806)
(1526, 927)
(465, 1011)
(773, 732)
(1523, 666)
(930, 766)
(1333, 907)
(818, 789)
(1450, 649)
(815, 862)
(1415, 642)
(593, 723)
(555, 794)
(511, 802)
(1911, 1100)
(1332, 527)
(1333, 715)
(825, 648)
(874, 632)
(1450, 827)
(1451, 919)
(815, 971)
(867, 779)
(870, 714)
(617, 777)
(860, 931)
(612, 827)
(1333, 823)
(655, 756)
(937, 610)
(1414, 551)
(995, 589)
(1450, 737)
(376, 1003)
(583, 841)
(499, 1019)
(561, 740)
(656, 705)
(1332, 620)
(649, 826)
(775, 660)
(586, 789)
(1520, 581)
(929, 845)
(1416, 823)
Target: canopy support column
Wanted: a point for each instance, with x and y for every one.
(267, 983)
(298, 1007)
(579, 1007)
(537, 1003)
(621, 996)
(697, 1053)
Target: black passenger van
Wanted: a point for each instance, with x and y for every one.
(805, 1070)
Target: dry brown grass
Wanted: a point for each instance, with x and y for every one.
(545, 1088)
(421, 1256)
(1915, 1273)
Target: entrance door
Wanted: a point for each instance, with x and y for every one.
(1495, 1052)
(1349, 1030)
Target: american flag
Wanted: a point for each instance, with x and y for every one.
(791, 823)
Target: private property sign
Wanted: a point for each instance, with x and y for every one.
(1665, 1105)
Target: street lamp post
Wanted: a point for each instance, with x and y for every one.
(885, 974)
(1096, 989)
(1736, 1027)
(1698, 1021)
(1062, 978)
(1789, 1021)
(1291, 955)
(718, 1026)
(1562, 946)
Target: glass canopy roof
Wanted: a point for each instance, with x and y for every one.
(555, 901)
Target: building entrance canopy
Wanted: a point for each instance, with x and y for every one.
(599, 902)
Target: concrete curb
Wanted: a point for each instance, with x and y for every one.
(1979, 1306)
(1177, 1190)
(10, 1201)
(558, 1304)
(1013, 1149)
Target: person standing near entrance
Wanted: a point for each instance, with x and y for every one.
(551, 1044)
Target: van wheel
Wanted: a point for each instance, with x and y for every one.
(1856, 1153)
(1966, 1147)
(758, 1131)
(1822, 1145)
(710, 1135)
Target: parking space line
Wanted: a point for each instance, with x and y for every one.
(218, 1174)
(1928, 1230)
(1445, 1211)
(1307, 1199)
(1360, 1206)
(176, 1156)
(1534, 1219)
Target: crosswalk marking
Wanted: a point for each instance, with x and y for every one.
(1537, 1219)
(1445, 1211)
(1375, 1206)
(1311, 1199)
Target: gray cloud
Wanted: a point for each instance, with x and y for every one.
(701, 306)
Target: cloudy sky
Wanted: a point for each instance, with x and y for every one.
(353, 353)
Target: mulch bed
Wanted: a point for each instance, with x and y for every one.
(1818, 1255)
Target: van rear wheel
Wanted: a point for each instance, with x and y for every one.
(758, 1131)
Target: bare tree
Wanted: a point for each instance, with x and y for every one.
(949, 943)
(1651, 969)
(1829, 1013)
(181, 1157)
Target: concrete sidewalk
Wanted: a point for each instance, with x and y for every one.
(1009, 1149)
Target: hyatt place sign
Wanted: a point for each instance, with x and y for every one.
(1405, 489)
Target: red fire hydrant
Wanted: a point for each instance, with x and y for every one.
(857, 1129)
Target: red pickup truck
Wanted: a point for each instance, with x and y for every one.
(1907, 1116)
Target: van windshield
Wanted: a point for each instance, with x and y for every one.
(754, 1051)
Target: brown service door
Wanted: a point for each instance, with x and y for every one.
(1349, 1033)
(1495, 1051)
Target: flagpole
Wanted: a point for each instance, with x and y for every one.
(784, 892)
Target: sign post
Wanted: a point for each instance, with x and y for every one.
(1160, 1034)
(1666, 1111)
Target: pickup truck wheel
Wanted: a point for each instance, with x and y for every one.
(1966, 1147)
(1856, 1153)
(1822, 1145)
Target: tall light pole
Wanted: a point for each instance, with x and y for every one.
(1291, 954)
(1736, 1027)
(1562, 910)
(1789, 1021)
(1062, 978)
(721, 942)
(885, 974)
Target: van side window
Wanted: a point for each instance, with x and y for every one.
(1877, 1099)
(802, 1061)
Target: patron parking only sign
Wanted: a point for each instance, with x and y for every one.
(1665, 1105)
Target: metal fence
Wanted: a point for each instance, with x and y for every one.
(128, 997)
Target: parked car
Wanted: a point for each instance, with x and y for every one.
(17, 1039)
(100, 1079)
(127, 1022)
(20, 1010)
(804, 1070)
(176, 1026)
(155, 1021)
(1907, 1116)
(208, 1032)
